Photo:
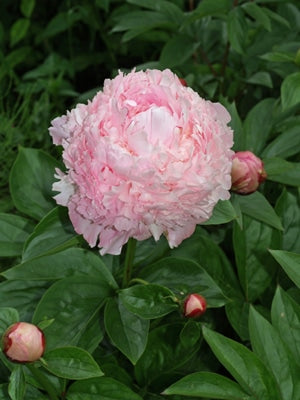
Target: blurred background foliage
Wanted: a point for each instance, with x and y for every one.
(54, 54)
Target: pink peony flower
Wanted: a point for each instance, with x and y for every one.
(23, 342)
(247, 172)
(147, 156)
(194, 305)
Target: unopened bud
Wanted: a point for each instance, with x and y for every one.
(194, 305)
(247, 172)
(23, 342)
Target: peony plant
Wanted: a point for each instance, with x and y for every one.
(141, 258)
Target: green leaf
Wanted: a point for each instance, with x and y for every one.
(36, 375)
(148, 251)
(297, 58)
(261, 78)
(71, 363)
(34, 394)
(267, 344)
(207, 7)
(208, 385)
(148, 301)
(112, 369)
(72, 303)
(276, 56)
(16, 57)
(255, 267)
(277, 18)
(52, 234)
(290, 91)
(237, 29)
(288, 207)
(290, 262)
(60, 23)
(100, 388)
(132, 33)
(18, 30)
(31, 181)
(237, 312)
(69, 262)
(235, 203)
(180, 44)
(8, 316)
(104, 4)
(191, 333)
(14, 230)
(205, 252)
(282, 171)
(243, 365)
(286, 144)
(127, 331)
(17, 384)
(171, 10)
(255, 205)
(164, 353)
(223, 212)
(285, 313)
(184, 276)
(235, 124)
(4, 391)
(144, 20)
(259, 14)
(27, 7)
(6, 368)
(22, 295)
(257, 127)
(92, 334)
(6, 204)
(52, 65)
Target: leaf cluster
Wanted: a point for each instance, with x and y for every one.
(114, 341)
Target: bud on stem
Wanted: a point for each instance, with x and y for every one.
(194, 305)
(247, 172)
(23, 342)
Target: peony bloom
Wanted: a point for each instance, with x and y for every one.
(23, 342)
(247, 172)
(194, 305)
(147, 156)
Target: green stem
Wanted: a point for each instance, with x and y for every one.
(138, 280)
(129, 257)
(43, 380)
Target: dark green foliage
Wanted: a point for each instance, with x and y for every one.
(245, 260)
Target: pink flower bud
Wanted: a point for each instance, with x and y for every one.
(247, 172)
(23, 342)
(194, 305)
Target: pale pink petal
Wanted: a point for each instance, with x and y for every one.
(64, 186)
(147, 156)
